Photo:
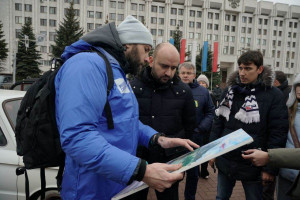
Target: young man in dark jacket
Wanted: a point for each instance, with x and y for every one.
(204, 115)
(250, 103)
(165, 104)
(282, 83)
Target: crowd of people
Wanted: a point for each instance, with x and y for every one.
(165, 111)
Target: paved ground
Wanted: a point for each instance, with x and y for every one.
(207, 189)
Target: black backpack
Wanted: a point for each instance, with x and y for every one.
(36, 130)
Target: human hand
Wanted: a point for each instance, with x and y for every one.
(166, 142)
(158, 176)
(267, 178)
(257, 157)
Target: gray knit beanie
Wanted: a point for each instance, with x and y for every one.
(132, 31)
(202, 77)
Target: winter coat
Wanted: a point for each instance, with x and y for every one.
(204, 108)
(287, 158)
(168, 108)
(270, 132)
(217, 93)
(285, 89)
(99, 162)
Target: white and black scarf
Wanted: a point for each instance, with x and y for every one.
(248, 113)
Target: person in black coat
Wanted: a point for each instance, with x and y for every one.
(251, 103)
(282, 83)
(204, 115)
(166, 104)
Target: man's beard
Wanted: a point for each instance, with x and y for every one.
(134, 61)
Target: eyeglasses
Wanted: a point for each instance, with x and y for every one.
(187, 73)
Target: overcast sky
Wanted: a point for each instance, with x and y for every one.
(291, 2)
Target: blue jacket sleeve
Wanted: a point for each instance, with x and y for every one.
(80, 100)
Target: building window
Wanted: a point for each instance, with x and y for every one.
(134, 6)
(292, 65)
(18, 6)
(52, 22)
(173, 22)
(231, 50)
(180, 22)
(43, 22)
(18, 20)
(233, 18)
(43, 49)
(198, 24)
(161, 9)
(244, 19)
(18, 32)
(273, 53)
(90, 2)
(274, 43)
(52, 36)
(265, 31)
(112, 16)
(28, 8)
(44, 33)
(120, 17)
(227, 17)
(43, 9)
(210, 15)
(295, 25)
(259, 31)
(258, 41)
(293, 55)
(275, 22)
(226, 38)
(192, 13)
(277, 64)
(232, 28)
(112, 4)
(161, 21)
(278, 54)
(90, 14)
(225, 50)
(142, 19)
(290, 24)
(52, 10)
(264, 42)
(232, 39)
(289, 34)
(294, 35)
(208, 36)
(209, 26)
(217, 16)
(99, 3)
(198, 36)
(153, 31)
(242, 39)
(265, 21)
(173, 11)
(98, 15)
(243, 30)
(180, 11)
(294, 44)
(90, 26)
(250, 20)
(141, 7)
(199, 14)
(226, 28)
(260, 21)
(191, 35)
(280, 33)
(153, 20)
(281, 23)
(279, 43)
(216, 27)
(191, 24)
(249, 30)
(248, 41)
(215, 37)
(153, 8)
(120, 5)
(160, 32)
(274, 33)
(28, 20)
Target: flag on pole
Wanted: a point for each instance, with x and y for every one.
(182, 50)
(194, 51)
(172, 41)
(215, 60)
(204, 56)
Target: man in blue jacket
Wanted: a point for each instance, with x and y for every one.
(204, 116)
(100, 161)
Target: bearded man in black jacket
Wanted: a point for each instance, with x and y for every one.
(166, 104)
(250, 103)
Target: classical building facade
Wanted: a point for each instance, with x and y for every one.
(237, 25)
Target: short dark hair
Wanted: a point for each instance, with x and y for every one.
(280, 76)
(250, 57)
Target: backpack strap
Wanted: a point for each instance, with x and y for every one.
(43, 182)
(110, 84)
(20, 171)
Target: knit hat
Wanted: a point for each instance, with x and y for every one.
(202, 77)
(132, 31)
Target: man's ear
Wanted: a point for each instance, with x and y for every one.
(260, 69)
(151, 61)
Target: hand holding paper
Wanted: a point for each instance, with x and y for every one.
(158, 175)
(166, 142)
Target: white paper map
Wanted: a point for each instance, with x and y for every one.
(203, 154)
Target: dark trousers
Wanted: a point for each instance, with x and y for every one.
(269, 190)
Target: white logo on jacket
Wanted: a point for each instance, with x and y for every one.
(122, 85)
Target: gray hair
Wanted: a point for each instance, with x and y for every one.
(187, 65)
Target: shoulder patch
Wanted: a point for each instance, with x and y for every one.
(122, 85)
